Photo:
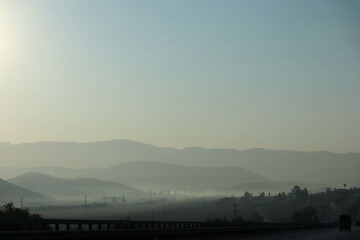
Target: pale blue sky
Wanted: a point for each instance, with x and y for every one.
(232, 74)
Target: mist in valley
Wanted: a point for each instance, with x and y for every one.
(143, 182)
(224, 112)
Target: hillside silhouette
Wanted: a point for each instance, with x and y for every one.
(67, 188)
(11, 192)
(146, 175)
(279, 165)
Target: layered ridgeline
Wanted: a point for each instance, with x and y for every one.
(61, 188)
(145, 175)
(12, 193)
(313, 167)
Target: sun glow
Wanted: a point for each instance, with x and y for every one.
(5, 43)
(7, 36)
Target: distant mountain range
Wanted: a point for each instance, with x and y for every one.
(72, 188)
(312, 167)
(12, 193)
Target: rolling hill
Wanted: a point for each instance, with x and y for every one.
(12, 193)
(280, 165)
(72, 188)
(155, 175)
(144, 175)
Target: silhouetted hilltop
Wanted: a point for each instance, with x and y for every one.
(279, 165)
(61, 187)
(12, 193)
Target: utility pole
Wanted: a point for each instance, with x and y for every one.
(293, 203)
(235, 210)
(123, 200)
(85, 203)
(342, 199)
(21, 202)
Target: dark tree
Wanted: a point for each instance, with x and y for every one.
(9, 211)
(299, 194)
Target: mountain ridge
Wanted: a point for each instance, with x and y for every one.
(67, 187)
(150, 175)
(10, 192)
(277, 165)
(170, 148)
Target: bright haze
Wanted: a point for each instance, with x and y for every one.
(179, 110)
(213, 74)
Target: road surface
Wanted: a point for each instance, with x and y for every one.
(319, 234)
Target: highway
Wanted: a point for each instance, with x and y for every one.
(319, 234)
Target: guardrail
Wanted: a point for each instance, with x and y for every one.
(80, 224)
(122, 229)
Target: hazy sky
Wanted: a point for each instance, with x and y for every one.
(235, 74)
